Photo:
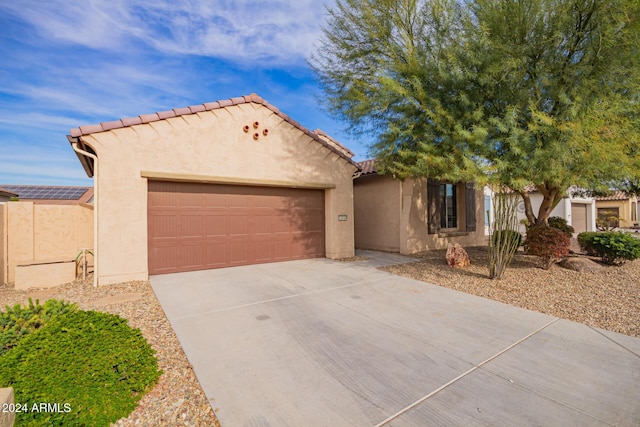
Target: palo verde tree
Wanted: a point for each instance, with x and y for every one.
(518, 92)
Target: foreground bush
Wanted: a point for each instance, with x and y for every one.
(585, 239)
(93, 365)
(614, 247)
(18, 321)
(547, 243)
(561, 224)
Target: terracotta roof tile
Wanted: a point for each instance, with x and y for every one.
(111, 125)
(197, 108)
(252, 98)
(182, 111)
(617, 195)
(131, 121)
(87, 129)
(322, 134)
(166, 114)
(212, 105)
(147, 118)
(368, 167)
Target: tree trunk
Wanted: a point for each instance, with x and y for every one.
(551, 196)
(528, 209)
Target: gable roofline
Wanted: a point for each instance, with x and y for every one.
(7, 193)
(76, 134)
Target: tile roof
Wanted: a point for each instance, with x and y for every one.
(322, 134)
(50, 192)
(77, 133)
(368, 167)
(6, 192)
(616, 195)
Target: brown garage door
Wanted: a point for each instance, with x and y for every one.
(579, 217)
(193, 226)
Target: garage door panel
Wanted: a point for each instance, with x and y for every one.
(215, 225)
(199, 226)
(192, 224)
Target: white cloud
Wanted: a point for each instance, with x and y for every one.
(271, 31)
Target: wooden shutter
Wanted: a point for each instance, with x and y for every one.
(470, 206)
(433, 206)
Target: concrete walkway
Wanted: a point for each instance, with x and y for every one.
(326, 343)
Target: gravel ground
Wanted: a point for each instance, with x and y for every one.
(607, 299)
(177, 399)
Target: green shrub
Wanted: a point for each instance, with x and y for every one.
(616, 247)
(561, 224)
(94, 365)
(18, 321)
(505, 236)
(547, 243)
(585, 239)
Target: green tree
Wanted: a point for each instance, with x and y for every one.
(518, 92)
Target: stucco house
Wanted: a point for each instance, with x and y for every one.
(621, 206)
(6, 195)
(415, 215)
(577, 210)
(227, 183)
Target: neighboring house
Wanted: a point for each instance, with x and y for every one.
(619, 208)
(579, 212)
(227, 183)
(415, 214)
(6, 194)
(51, 194)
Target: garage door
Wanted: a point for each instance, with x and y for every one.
(579, 217)
(193, 226)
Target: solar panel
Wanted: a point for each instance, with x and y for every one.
(43, 192)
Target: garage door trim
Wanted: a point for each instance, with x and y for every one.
(209, 179)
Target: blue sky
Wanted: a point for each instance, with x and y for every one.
(66, 63)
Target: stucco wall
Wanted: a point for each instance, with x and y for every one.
(386, 208)
(43, 233)
(414, 220)
(206, 144)
(624, 209)
(377, 213)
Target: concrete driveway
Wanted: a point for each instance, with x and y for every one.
(325, 343)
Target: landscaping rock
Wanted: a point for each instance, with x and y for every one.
(580, 264)
(456, 256)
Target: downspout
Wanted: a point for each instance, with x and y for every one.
(74, 145)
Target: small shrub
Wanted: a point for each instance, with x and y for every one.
(94, 365)
(501, 237)
(547, 243)
(561, 224)
(615, 247)
(18, 321)
(585, 239)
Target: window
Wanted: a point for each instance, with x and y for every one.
(448, 206)
(451, 207)
(634, 211)
(487, 210)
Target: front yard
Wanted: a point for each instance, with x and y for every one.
(177, 399)
(607, 299)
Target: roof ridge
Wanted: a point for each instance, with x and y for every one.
(198, 108)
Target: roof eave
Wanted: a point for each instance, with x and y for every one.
(85, 161)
